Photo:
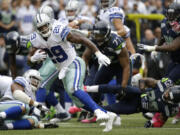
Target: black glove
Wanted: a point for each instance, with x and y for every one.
(51, 125)
(121, 94)
(148, 124)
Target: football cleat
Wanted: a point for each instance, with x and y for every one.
(92, 120)
(109, 123)
(117, 122)
(101, 116)
(176, 118)
(60, 117)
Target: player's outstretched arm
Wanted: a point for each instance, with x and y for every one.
(78, 39)
(19, 94)
(175, 45)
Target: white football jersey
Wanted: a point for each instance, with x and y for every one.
(61, 52)
(5, 82)
(107, 15)
(27, 88)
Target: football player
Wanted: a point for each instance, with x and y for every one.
(114, 16)
(17, 101)
(114, 47)
(169, 42)
(55, 39)
(151, 96)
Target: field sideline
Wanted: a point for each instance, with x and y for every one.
(131, 125)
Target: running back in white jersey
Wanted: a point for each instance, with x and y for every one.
(5, 82)
(61, 52)
(107, 15)
(27, 88)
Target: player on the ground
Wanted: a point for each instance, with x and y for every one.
(55, 39)
(17, 101)
(151, 96)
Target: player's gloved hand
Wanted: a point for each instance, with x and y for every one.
(40, 106)
(146, 47)
(63, 72)
(148, 124)
(121, 94)
(144, 101)
(38, 56)
(102, 59)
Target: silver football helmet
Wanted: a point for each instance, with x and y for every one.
(107, 3)
(43, 25)
(47, 10)
(34, 78)
(72, 9)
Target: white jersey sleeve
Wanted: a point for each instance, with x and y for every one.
(25, 84)
(60, 31)
(110, 14)
(116, 13)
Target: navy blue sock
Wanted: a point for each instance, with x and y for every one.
(22, 124)
(13, 112)
(51, 99)
(105, 88)
(87, 100)
(41, 95)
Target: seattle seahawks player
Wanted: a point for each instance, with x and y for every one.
(151, 96)
(170, 41)
(114, 47)
(114, 16)
(55, 40)
(18, 99)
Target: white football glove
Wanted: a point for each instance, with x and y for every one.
(146, 47)
(63, 72)
(102, 59)
(38, 56)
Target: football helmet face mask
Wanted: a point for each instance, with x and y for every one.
(34, 78)
(107, 3)
(43, 25)
(101, 32)
(48, 11)
(72, 9)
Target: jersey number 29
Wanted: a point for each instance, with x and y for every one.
(58, 52)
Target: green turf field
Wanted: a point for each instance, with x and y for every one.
(131, 125)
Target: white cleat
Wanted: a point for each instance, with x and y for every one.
(117, 121)
(109, 123)
(101, 116)
(175, 120)
(102, 124)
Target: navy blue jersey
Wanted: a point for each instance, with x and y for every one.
(156, 103)
(113, 47)
(169, 35)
